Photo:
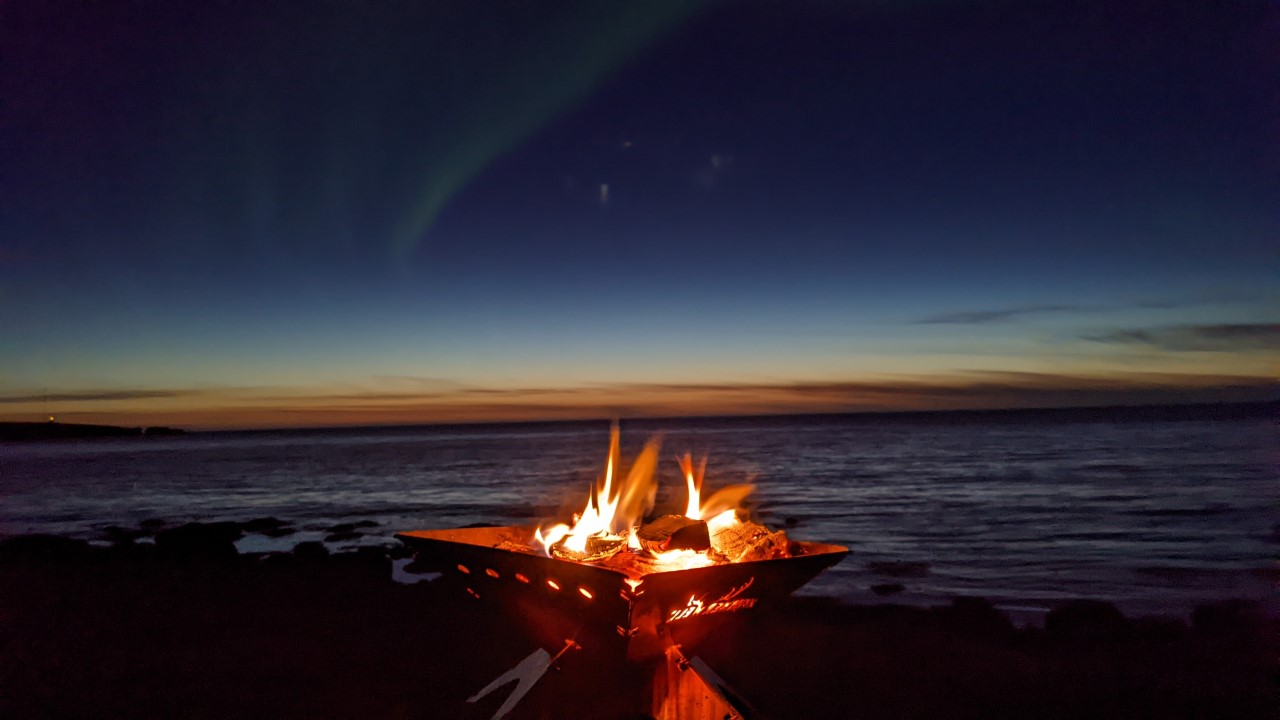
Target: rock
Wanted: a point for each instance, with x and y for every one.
(262, 525)
(1228, 619)
(199, 540)
(43, 549)
(373, 551)
(278, 532)
(343, 536)
(887, 588)
(126, 554)
(1159, 630)
(152, 524)
(117, 535)
(310, 551)
(976, 617)
(421, 564)
(1085, 621)
(374, 566)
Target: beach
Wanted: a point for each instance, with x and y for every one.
(187, 627)
(1054, 564)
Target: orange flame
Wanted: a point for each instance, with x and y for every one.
(717, 506)
(693, 510)
(614, 510)
(610, 511)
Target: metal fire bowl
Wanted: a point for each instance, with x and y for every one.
(557, 600)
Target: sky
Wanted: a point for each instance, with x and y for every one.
(278, 214)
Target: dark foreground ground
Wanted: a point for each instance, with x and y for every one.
(189, 629)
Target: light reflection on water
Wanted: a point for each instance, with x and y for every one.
(1154, 516)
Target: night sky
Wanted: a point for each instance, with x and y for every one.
(235, 214)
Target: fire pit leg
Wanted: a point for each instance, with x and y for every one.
(526, 674)
(684, 689)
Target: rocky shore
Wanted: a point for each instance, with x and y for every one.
(186, 627)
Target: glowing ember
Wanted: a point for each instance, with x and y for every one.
(682, 560)
(608, 529)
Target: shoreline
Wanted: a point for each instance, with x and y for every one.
(867, 581)
(189, 627)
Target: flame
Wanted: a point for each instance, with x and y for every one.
(721, 505)
(693, 510)
(726, 519)
(610, 511)
(727, 498)
(615, 509)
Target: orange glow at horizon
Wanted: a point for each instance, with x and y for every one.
(306, 407)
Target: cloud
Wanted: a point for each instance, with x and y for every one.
(956, 390)
(1227, 337)
(96, 396)
(998, 315)
(983, 317)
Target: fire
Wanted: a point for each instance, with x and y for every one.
(721, 507)
(611, 511)
(682, 559)
(724, 520)
(608, 529)
(693, 509)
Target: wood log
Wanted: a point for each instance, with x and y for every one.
(771, 546)
(674, 532)
(598, 548)
(749, 541)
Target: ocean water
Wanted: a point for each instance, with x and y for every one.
(1155, 516)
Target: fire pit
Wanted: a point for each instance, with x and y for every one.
(623, 588)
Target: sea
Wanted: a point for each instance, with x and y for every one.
(1156, 512)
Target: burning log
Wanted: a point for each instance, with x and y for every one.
(608, 530)
(674, 532)
(744, 540)
(597, 548)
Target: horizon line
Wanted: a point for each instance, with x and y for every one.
(1147, 410)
